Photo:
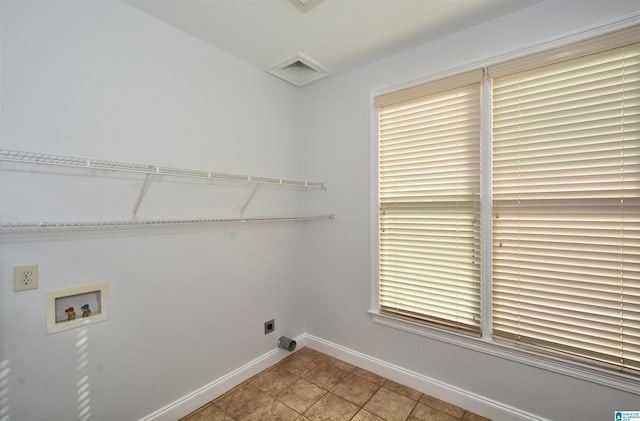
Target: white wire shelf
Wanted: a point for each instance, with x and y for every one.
(149, 171)
(99, 164)
(59, 226)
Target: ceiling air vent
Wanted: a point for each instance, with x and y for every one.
(305, 5)
(298, 70)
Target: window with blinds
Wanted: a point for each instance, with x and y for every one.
(429, 202)
(566, 200)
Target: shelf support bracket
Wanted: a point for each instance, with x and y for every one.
(143, 191)
(250, 197)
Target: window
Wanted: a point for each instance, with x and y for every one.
(565, 202)
(430, 202)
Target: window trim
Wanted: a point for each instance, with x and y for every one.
(565, 226)
(405, 204)
(486, 344)
(557, 365)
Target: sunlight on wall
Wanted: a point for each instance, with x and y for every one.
(84, 401)
(4, 390)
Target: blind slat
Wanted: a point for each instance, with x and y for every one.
(566, 202)
(565, 53)
(565, 167)
(429, 188)
(428, 89)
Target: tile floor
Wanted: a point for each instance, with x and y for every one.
(310, 385)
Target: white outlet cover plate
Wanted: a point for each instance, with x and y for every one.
(25, 277)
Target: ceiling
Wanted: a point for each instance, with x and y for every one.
(335, 34)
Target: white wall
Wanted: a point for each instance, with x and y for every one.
(99, 78)
(102, 79)
(339, 138)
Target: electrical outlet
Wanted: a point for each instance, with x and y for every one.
(269, 326)
(25, 277)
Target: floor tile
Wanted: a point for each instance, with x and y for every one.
(337, 363)
(364, 415)
(274, 381)
(442, 406)
(355, 389)
(372, 377)
(312, 386)
(243, 400)
(209, 413)
(311, 352)
(331, 408)
(403, 390)
(274, 411)
(426, 413)
(301, 395)
(300, 362)
(390, 405)
(325, 375)
(470, 416)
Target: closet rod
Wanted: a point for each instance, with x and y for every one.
(99, 164)
(44, 226)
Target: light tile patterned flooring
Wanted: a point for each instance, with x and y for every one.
(310, 385)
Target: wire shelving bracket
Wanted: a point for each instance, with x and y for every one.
(150, 170)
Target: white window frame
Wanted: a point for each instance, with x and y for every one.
(485, 344)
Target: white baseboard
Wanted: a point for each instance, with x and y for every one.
(200, 397)
(470, 401)
(480, 405)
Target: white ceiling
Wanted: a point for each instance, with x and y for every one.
(337, 34)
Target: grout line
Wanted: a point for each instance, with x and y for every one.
(314, 363)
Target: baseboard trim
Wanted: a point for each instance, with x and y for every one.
(483, 406)
(463, 398)
(200, 397)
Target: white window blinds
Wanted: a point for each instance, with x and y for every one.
(566, 200)
(429, 188)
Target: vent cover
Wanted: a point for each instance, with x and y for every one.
(305, 5)
(298, 70)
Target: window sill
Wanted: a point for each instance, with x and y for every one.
(621, 381)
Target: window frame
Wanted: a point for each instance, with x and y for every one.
(486, 344)
(462, 187)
